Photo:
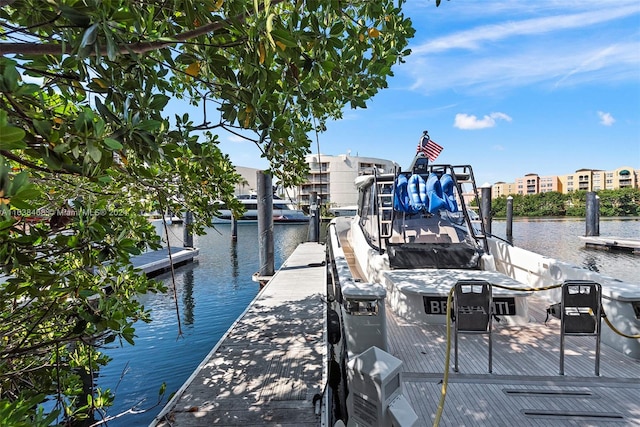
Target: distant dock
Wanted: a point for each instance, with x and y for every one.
(268, 366)
(612, 243)
(157, 262)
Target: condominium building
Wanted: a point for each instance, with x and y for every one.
(581, 180)
(332, 177)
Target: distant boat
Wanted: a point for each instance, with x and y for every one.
(283, 212)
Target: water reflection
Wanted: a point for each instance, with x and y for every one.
(234, 260)
(188, 302)
(591, 264)
(212, 292)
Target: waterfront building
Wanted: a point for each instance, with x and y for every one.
(249, 182)
(581, 180)
(332, 177)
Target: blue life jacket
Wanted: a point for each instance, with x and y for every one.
(434, 193)
(417, 193)
(447, 189)
(401, 201)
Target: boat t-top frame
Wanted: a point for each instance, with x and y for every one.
(385, 191)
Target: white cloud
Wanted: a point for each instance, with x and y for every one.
(236, 139)
(474, 38)
(564, 48)
(470, 122)
(606, 119)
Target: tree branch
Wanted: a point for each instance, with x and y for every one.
(140, 47)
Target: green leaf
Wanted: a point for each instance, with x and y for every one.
(11, 77)
(337, 29)
(284, 37)
(90, 36)
(158, 102)
(94, 152)
(43, 127)
(112, 48)
(149, 125)
(12, 138)
(27, 89)
(112, 144)
(163, 389)
(76, 17)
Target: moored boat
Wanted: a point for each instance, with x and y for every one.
(416, 264)
(283, 212)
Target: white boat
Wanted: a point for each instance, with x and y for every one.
(283, 212)
(414, 269)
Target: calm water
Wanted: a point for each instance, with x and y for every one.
(212, 293)
(216, 289)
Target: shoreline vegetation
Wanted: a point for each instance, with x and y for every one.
(613, 203)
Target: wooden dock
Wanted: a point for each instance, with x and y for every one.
(269, 365)
(157, 262)
(622, 244)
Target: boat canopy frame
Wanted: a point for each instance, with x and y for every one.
(386, 213)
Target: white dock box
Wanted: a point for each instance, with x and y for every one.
(375, 396)
(365, 322)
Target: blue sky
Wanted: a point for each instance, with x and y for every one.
(509, 86)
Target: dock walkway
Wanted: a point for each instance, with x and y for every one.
(157, 262)
(269, 365)
(612, 243)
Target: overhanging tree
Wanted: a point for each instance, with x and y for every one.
(85, 149)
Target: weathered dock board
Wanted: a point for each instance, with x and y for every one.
(612, 243)
(268, 366)
(156, 262)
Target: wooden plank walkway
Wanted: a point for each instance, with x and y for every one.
(266, 369)
(525, 388)
(157, 262)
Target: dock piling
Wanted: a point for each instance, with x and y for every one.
(265, 224)
(510, 219)
(592, 215)
(485, 207)
(314, 223)
(187, 234)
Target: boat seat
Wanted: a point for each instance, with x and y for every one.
(433, 238)
(424, 230)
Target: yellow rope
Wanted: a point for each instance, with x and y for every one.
(447, 357)
(614, 329)
(544, 288)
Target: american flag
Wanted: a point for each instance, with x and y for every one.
(430, 148)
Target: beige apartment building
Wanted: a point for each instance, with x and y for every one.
(581, 180)
(332, 177)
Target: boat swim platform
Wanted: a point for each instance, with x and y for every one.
(269, 365)
(622, 244)
(525, 388)
(157, 262)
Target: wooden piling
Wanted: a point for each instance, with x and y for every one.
(591, 216)
(265, 224)
(485, 207)
(510, 219)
